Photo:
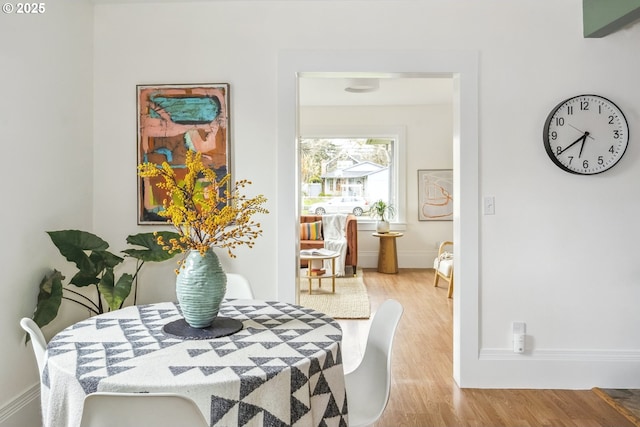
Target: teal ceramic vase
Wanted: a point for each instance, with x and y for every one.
(200, 288)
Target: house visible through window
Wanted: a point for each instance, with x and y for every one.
(346, 175)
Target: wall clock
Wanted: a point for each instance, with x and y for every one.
(586, 134)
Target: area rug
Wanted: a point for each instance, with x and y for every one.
(626, 402)
(350, 301)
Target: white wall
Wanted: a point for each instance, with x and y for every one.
(182, 43)
(46, 123)
(540, 256)
(428, 133)
(559, 254)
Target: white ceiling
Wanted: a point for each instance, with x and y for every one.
(323, 91)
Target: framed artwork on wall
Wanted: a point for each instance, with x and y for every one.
(174, 119)
(435, 195)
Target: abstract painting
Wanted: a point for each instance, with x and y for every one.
(435, 195)
(175, 119)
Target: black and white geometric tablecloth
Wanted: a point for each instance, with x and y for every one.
(284, 368)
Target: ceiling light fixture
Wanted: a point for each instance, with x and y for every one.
(362, 85)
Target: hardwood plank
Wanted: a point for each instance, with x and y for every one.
(423, 392)
(618, 406)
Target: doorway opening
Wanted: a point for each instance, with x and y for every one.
(463, 68)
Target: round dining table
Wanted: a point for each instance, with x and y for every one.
(283, 368)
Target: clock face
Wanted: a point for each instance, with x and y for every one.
(586, 134)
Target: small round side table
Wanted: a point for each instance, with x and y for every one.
(321, 255)
(388, 254)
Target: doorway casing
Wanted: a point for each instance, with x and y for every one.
(462, 66)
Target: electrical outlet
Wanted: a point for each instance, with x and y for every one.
(519, 336)
(519, 343)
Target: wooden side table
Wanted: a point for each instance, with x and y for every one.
(388, 254)
(321, 256)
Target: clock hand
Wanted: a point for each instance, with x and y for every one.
(581, 131)
(582, 138)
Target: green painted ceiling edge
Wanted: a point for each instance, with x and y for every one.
(603, 17)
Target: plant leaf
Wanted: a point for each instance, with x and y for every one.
(115, 294)
(104, 259)
(154, 252)
(84, 279)
(72, 244)
(49, 299)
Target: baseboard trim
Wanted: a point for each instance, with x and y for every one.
(406, 259)
(14, 406)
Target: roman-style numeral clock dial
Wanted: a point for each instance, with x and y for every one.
(586, 134)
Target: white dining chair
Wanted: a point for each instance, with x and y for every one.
(238, 286)
(103, 409)
(37, 340)
(368, 386)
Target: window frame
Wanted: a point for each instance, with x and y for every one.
(398, 175)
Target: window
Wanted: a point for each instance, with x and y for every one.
(347, 174)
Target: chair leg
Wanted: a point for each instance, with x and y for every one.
(435, 279)
(450, 293)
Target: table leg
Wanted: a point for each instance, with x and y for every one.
(333, 275)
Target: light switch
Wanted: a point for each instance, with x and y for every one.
(489, 205)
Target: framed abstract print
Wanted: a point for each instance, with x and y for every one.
(175, 119)
(435, 195)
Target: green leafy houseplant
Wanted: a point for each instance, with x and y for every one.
(382, 210)
(96, 267)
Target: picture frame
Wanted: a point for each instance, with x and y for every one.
(435, 195)
(171, 120)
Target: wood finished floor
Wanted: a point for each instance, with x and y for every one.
(423, 391)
